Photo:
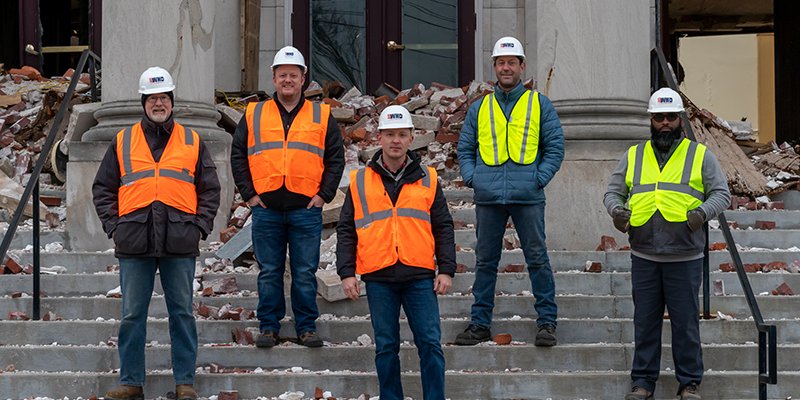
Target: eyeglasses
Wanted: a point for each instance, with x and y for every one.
(152, 99)
(660, 117)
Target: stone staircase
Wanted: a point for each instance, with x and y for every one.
(72, 357)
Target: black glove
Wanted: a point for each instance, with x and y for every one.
(695, 219)
(622, 218)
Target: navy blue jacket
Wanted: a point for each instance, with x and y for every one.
(511, 183)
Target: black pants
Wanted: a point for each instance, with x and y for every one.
(675, 285)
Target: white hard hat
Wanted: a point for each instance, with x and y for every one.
(665, 100)
(155, 80)
(508, 46)
(395, 117)
(289, 56)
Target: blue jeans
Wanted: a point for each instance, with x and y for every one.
(422, 311)
(272, 231)
(137, 277)
(490, 229)
(675, 285)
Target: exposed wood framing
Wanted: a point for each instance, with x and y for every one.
(250, 12)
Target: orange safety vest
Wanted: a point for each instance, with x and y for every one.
(170, 181)
(294, 159)
(386, 232)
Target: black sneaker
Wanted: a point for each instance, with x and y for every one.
(267, 339)
(310, 339)
(546, 336)
(638, 393)
(473, 335)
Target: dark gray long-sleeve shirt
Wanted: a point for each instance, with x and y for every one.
(715, 187)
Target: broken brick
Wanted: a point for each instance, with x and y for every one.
(246, 314)
(52, 220)
(228, 395)
(12, 266)
(593, 267)
(502, 338)
(50, 316)
(751, 206)
(227, 234)
(783, 290)
(458, 225)
(774, 266)
(766, 225)
(317, 393)
(242, 337)
(222, 285)
(332, 102)
(16, 295)
(444, 137)
(17, 316)
(719, 287)
(752, 268)
(112, 268)
(50, 201)
(28, 269)
(461, 268)
(775, 205)
(209, 291)
(727, 267)
(608, 243)
(358, 135)
(514, 268)
(511, 241)
(216, 368)
(717, 246)
(733, 225)
(794, 266)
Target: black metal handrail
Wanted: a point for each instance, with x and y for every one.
(767, 334)
(33, 184)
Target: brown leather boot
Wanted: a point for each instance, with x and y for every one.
(125, 392)
(185, 392)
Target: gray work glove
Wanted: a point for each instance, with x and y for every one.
(622, 218)
(695, 219)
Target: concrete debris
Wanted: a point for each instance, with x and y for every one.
(592, 266)
(782, 290)
(228, 395)
(608, 243)
(329, 285)
(222, 285)
(511, 241)
(116, 292)
(364, 340)
(719, 287)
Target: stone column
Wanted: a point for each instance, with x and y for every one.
(592, 61)
(177, 35)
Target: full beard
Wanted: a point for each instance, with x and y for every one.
(664, 139)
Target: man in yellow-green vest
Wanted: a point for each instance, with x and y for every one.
(672, 186)
(511, 146)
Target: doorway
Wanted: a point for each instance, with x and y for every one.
(364, 43)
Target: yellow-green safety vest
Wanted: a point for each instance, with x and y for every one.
(673, 191)
(518, 138)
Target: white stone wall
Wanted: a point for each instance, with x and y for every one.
(227, 46)
(504, 18)
(273, 36)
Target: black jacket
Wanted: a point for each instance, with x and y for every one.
(157, 230)
(282, 199)
(441, 227)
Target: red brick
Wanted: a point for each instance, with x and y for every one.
(332, 102)
(52, 219)
(783, 290)
(751, 206)
(776, 205)
(317, 393)
(358, 135)
(418, 89)
(727, 267)
(514, 268)
(766, 225)
(444, 137)
(594, 267)
(228, 395)
(608, 243)
(112, 268)
(774, 266)
(624, 248)
(461, 268)
(733, 225)
(209, 291)
(502, 338)
(456, 104)
(17, 79)
(16, 295)
(26, 73)
(247, 314)
(68, 75)
(528, 84)
(752, 268)
(227, 234)
(717, 246)
(28, 269)
(50, 316)
(440, 87)
(17, 316)
(428, 93)
(216, 368)
(242, 337)
(222, 285)
(12, 266)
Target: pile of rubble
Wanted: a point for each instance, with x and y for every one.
(28, 106)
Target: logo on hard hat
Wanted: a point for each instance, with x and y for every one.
(394, 116)
(505, 45)
(665, 100)
(157, 79)
(289, 54)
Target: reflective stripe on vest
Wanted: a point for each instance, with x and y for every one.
(517, 138)
(390, 232)
(276, 158)
(672, 191)
(170, 181)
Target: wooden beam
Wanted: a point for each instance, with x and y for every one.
(250, 12)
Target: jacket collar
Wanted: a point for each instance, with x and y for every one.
(512, 96)
(412, 172)
(150, 127)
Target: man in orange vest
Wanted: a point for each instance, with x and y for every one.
(393, 222)
(287, 159)
(156, 193)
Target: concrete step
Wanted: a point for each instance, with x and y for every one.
(571, 357)
(770, 239)
(784, 219)
(580, 283)
(82, 262)
(454, 306)
(346, 330)
(460, 385)
(23, 238)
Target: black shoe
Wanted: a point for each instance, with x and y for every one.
(310, 339)
(690, 392)
(546, 336)
(473, 335)
(267, 339)
(638, 393)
